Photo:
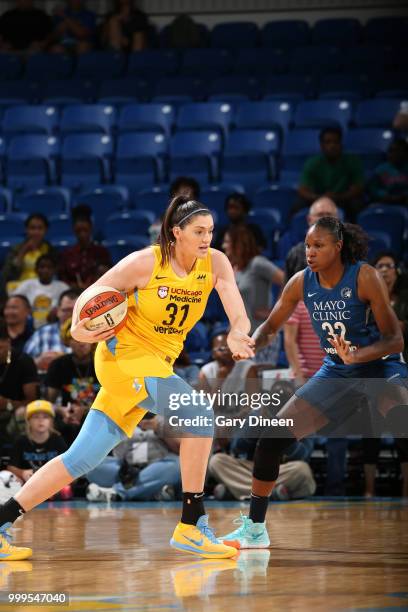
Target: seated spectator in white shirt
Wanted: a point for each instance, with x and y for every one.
(43, 292)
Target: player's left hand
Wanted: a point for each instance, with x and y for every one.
(241, 345)
(342, 347)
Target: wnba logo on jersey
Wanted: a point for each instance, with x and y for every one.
(346, 293)
(162, 292)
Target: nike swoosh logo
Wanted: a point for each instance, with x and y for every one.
(311, 294)
(160, 277)
(196, 542)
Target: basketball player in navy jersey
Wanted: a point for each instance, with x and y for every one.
(351, 314)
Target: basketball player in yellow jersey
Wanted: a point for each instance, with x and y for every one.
(168, 287)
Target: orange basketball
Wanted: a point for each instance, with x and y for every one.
(105, 306)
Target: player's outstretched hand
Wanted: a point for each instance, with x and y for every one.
(81, 334)
(342, 347)
(241, 345)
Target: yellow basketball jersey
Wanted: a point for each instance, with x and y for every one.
(161, 314)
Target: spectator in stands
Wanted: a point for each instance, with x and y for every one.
(401, 118)
(389, 182)
(126, 27)
(184, 33)
(21, 259)
(74, 28)
(17, 314)
(237, 207)
(334, 174)
(296, 258)
(42, 292)
(46, 344)
(18, 380)
(144, 467)
(254, 273)
(24, 28)
(389, 267)
(71, 377)
(79, 263)
(39, 445)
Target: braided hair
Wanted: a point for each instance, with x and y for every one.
(355, 240)
(180, 212)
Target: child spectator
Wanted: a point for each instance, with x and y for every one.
(389, 182)
(126, 28)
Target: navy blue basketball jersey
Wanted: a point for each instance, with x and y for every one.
(339, 311)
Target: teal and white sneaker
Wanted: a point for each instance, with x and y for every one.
(248, 535)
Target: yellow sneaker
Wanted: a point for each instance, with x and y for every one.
(8, 552)
(200, 540)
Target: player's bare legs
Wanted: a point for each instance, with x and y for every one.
(194, 453)
(43, 484)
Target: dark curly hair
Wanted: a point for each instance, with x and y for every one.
(355, 240)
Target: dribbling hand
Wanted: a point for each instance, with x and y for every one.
(241, 345)
(80, 333)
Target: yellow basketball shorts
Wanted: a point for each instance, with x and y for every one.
(135, 381)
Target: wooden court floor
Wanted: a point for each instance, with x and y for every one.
(325, 555)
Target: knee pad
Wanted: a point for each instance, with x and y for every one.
(268, 455)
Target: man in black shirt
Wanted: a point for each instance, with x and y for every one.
(17, 314)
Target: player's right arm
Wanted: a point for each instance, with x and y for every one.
(133, 271)
(291, 294)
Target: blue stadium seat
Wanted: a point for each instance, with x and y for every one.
(99, 65)
(278, 197)
(30, 119)
(363, 59)
(261, 63)
(195, 153)
(285, 33)
(88, 118)
(104, 200)
(124, 223)
(123, 246)
(154, 198)
(48, 200)
(232, 87)
(391, 85)
(289, 87)
(298, 224)
(214, 311)
(139, 159)
(243, 142)
(346, 86)
(178, 88)
(387, 30)
(31, 161)
(6, 199)
(49, 66)
(166, 37)
(230, 35)
(10, 66)
(214, 196)
(62, 93)
(12, 226)
(315, 60)
(367, 140)
(339, 31)
(146, 117)
(322, 113)
(197, 339)
(379, 241)
(85, 159)
(378, 112)
(206, 62)
(60, 229)
(124, 91)
(205, 115)
(264, 114)
(156, 62)
(18, 92)
(383, 219)
(301, 142)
